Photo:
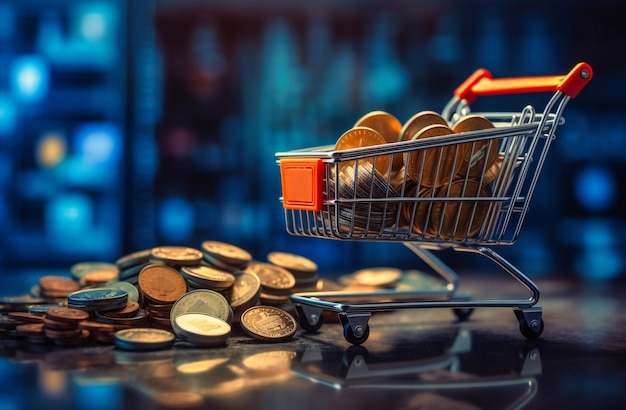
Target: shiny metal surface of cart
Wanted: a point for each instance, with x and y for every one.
(348, 195)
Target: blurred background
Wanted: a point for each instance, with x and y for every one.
(130, 124)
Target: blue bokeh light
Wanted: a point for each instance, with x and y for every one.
(7, 114)
(595, 188)
(176, 219)
(30, 78)
(98, 143)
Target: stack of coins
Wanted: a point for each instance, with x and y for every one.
(61, 325)
(363, 184)
(276, 283)
(268, 323)
(172, 285)
(160, 286)
(201, 329)
(224, 256)
(91, 300)
(55, 287)
(303, 270)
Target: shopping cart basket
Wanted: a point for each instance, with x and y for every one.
(421, 193)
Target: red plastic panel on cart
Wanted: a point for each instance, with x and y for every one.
(302, 183)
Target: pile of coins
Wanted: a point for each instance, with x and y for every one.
(161, 296)
(453, 171)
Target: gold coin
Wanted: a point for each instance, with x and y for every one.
(378, 276)
(268, 323)
(459, 219)
(478, 153)
(359, 137)
(434, 167)
(416, 211)
(272, 277)
(418, 122)
(176, 255)
(388, 126)
(292, 262)
(161, 283)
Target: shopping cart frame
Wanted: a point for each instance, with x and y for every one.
(315, 206)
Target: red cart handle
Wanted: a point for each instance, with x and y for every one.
(481, 83)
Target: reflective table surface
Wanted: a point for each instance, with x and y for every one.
(413, 359)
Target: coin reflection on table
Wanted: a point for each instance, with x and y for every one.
(201, 366)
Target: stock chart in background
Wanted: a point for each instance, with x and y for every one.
(127, 125)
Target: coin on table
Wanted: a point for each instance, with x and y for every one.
(176, 255)
(224, 253)
(208, 277)
(161, 283)
(296, 264)
(97, 299)
(434, 167)
(130, 310)
(268, 323)
(133, 259)
(418, 122)
(80, 269)
(60, 285)
(377, 276)
(204, 301)
(98, 277)
(67, 315)
(245, 291)
(359, 137)
(133, 293)
(144, 339)
(480, 155)
(273, 278)
(201, 329)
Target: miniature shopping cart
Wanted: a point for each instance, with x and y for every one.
(379, 193)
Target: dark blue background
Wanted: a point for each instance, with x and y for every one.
(127, 125)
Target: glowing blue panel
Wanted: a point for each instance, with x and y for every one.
(7, 114)
(30, 78)
(595, 188)
(176, 219)
(98, 143)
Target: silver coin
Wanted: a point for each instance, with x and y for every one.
(203, 301)
(133, 259)
(133, 293)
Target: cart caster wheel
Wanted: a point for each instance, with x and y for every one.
(357, 336)
(532, 329)
(462, 314)
(309, 323)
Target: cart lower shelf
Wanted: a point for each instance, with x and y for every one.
(354, 309)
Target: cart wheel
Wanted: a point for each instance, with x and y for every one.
(309, 327)
(356, 337)
(532, 329)
(462, 314)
